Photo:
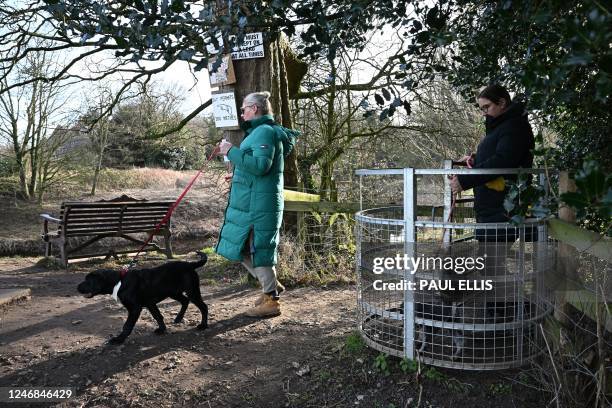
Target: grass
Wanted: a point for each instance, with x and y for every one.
(220, 270)
(354, 343)
(303, 264)
(50, 262)
(77, 181)
(120, 179)
(500, 388)
(324, 375)
(381, 364)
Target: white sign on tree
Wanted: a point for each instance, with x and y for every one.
(224, 109)
(251, 47)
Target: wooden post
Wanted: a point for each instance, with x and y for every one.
(567, 262)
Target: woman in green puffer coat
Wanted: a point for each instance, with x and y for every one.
(250, 232)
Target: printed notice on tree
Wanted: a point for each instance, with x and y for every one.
(251, 47)
(224, 110)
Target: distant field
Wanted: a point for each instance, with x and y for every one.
(198, 215)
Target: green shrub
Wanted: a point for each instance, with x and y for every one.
(354, 343)
(382, 364)
(408, 366)
(9, 184)
(8, 166)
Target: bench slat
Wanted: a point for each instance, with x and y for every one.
(79, 233)
(109, 222)
(104, 216)
(114, 210)
(106, 220)
(116, 225)
(143, 204)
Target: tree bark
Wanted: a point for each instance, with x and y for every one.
(94, 182)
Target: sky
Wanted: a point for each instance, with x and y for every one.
(198, 88)
(74, 99)
(195, 84)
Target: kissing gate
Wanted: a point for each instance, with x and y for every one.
(436, 286)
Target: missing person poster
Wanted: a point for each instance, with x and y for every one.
(224, 110)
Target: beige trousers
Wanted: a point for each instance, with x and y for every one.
(266, 275)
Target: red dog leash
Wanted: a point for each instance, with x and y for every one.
(164, 220)
(469, 164)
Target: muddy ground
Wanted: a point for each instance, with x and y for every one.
(307, 357)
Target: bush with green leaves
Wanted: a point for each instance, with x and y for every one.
(381, 363)
(167, 157)
(592, 199)
(526, 200)
(8, 166)
(408, 366)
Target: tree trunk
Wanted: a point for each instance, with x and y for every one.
(34, 164)
(94, 182)
(97, 169)
(23, 178)
(24, 191)
(42, 181)
(286, 62)
(268, 74)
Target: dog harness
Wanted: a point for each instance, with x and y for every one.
(116, 290)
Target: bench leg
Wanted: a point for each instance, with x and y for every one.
(47, 249)
(63, 257)
(168, 246)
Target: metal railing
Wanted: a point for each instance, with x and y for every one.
(470, 329)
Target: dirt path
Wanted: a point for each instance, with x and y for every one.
(297, 359)
(57, 339)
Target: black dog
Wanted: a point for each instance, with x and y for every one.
(147, 287)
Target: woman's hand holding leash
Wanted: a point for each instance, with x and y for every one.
(224, 147)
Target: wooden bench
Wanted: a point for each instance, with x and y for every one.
(121, 217)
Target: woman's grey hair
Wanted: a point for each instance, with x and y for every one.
(261, 100)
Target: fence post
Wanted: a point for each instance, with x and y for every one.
(448, 202)
(567, 254)
(410, 205)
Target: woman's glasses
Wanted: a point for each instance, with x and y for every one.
(485, 108)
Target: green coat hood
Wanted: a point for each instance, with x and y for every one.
(287, 136)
